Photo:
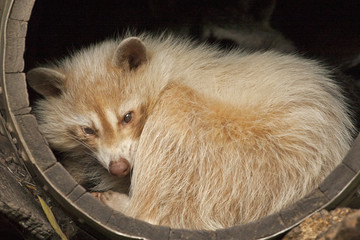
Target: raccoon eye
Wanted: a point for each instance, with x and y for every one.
(88, 131)
(127, 117)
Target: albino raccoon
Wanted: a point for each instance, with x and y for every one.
(212, 139)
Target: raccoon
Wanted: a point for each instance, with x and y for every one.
(209, 138)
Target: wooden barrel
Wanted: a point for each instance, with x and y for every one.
(21, 128)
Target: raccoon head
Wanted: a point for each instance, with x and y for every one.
(91, 104)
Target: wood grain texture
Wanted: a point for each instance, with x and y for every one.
(20, 207)
(36, 143)
(352, 159)
(16, 29)
(21, 9)
(336, 181)
(14, 50)
(181, 234)
(60, 178)
(298, 211)
(242, 232)
(17, 93)
(76, 193)
(94, 208)
(133, 228)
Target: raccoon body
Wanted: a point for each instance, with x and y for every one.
(210, 139)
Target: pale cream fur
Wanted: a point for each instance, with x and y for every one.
(225, 137)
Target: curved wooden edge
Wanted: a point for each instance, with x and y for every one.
(58, 182)
(351, 164)
(15, 34)
(352, 159)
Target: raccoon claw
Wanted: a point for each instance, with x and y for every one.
(104, 196)
(115, 200)
(96, 194)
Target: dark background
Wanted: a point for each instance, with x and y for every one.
(327, 29)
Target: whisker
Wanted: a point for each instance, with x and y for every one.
(82, 143)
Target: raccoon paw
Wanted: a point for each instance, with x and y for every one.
(96, 194)
(115, 200)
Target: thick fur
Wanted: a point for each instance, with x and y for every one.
(217, 138)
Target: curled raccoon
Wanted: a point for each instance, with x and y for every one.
(186, 135)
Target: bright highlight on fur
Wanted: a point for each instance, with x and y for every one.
(209, 138)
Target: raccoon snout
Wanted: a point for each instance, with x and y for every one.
(119, 168)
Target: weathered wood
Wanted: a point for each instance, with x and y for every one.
(17, 93)
(120, 223)
(133, 229)
(26, 219)
(14, 61)
(268, 226)
(352, 159)
(94, 208)
(36, 143)
(18, 205)
(336, 181)
(16, 29)
(76, 193)
(15, 35)
(263, 228)
(149, 231)
(21, 9)
(241, 232)
(60, 178)
(181, 234)
(301, 209)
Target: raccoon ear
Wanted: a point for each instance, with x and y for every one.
(130, 54)
(46, 81)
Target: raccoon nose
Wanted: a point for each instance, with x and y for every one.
(119, 168)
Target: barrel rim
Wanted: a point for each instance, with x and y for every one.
(41, 162)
